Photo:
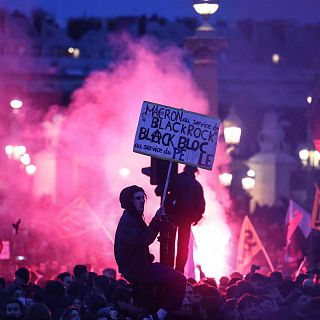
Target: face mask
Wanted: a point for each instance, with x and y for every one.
(22, 300)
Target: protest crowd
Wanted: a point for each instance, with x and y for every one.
(59, 289)
(83, 294)
(53, 290)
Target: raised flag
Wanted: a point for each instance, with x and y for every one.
(249, 246)
(78, 218)
(297, 217)
(189, 269)
(315, 218)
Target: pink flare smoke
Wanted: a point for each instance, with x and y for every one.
(94, 148)
(100, 127)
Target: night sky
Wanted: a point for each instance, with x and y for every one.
(302, 11)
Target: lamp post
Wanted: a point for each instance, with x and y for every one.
(205, 8)
(225, 178)
(310, 158)
(206, 46)
(16, 104)
(232, 129)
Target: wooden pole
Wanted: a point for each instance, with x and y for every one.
(166, 185)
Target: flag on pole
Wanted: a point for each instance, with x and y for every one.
(78, 218)
(297, 217)
(189, 269)
(315, 219)
(249, 246)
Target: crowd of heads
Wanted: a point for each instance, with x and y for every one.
(82, 294)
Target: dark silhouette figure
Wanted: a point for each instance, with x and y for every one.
(185, 205)
(16, 226)
(131, 249)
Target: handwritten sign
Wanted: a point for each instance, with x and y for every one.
(177, 135)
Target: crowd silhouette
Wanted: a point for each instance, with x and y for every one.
(84, 294)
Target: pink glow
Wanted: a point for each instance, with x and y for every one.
(94, 148)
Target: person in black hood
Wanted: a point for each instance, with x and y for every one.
(131, 249)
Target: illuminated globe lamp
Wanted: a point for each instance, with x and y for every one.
(30, 169)
(249, 181)
(205, 8)
(225, 179)
(124, 172)
(9, 150)
(310, 158)
(15, 152)
(25, 159)
(232, 130)
(16, 104)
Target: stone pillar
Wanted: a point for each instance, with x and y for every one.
(272, 165)
(206, 48)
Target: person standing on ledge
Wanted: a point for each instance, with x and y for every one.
(185, 205)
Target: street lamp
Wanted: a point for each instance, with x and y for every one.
(225, 179)
(232, 128)
(248, 183)
(25, 159)
(205, 8)
(15, 151)
(16, 104)
(30, 169)
(310, 158)
(124, 172)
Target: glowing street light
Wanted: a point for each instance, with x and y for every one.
(225, 179)
(276, 58)
(251, 173)
(205, 8)
(310, 158)
(16, 104)
(232, 128)
(248, 183)
(124, 172)
(31, 169)
(9, 150)
(75, 52)
(15, 151)
(25, 159)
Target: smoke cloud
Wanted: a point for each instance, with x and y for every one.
(88, 159)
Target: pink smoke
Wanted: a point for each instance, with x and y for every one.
(93, 160)
(100, 127)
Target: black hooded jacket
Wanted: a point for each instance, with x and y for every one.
(131, 246)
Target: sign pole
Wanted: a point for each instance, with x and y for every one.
(166, 185)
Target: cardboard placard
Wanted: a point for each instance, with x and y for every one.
(177, 135)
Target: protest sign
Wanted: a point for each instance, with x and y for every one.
(177, 135)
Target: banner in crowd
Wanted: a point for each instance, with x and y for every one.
(76, 219)
(297, 217)
(177, 135)
(5, 251)
(315, 220)
(249, 246)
